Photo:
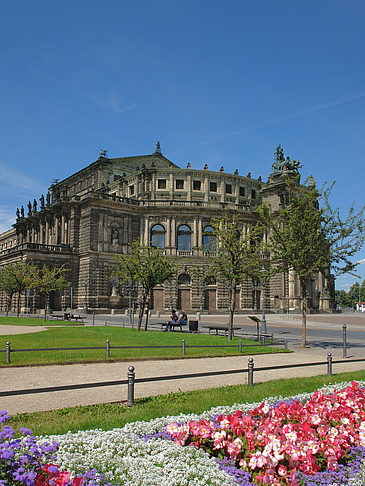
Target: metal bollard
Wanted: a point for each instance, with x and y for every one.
(93, 318)
(131, 375)
(183, 347)
(8, 350)
(344, 350)
(286, 344)
(240, 346)
(107, 348)
(250, 372)
(329, 364)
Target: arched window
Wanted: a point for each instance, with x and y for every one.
(158, 236)
(209, 240)
(183, 279)
(184, 237)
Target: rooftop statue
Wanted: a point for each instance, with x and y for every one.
(281, 163)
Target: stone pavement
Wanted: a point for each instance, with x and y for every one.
(43, 376)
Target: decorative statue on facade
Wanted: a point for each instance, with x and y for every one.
(42, 201)
(22, 212)
(34, 205)
(48, 198)
(29, 207)
(17, 214)
(282, 164)
(115, 288)
(158, 148)
(115, 236)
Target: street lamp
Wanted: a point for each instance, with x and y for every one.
(130, 288)
(263, 276)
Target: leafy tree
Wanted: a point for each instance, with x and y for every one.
(235, 256)
(49, 279)
(146, 266)
(15, 279)
(309, 238)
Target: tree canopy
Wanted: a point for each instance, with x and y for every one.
(148, 267)
(236, 255)
(308, 236)
(15, 279)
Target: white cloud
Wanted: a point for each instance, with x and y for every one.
(112, 103)
(7, 218)
(274, 121)
(11, 178)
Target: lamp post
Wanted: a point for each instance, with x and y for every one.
(263, 281)
(130, 288)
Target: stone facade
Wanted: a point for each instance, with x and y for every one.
(96, 213)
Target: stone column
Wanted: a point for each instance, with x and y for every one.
(200, 233)
(173, 232)
(168, 232)
(56, 233)
(146, 230)
(195, 234)
(188, 187)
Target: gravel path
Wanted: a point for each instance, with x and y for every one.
(45, 376)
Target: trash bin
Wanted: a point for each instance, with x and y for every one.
(193, 326)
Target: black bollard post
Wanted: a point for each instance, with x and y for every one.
(250, 372)
(107, 348)
(329, 364)
(93, 318)
(131, 375)
(183, 347)
(240, 346)
(8, 350)
(344, 350)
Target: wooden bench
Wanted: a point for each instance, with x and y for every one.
(76, 317)
(220, 327)
(176, 324)
(56, 316)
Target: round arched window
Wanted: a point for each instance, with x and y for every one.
(184, 237)
(209, 240)
(183, 279)
(158, 236)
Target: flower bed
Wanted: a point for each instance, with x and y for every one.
(142, 453)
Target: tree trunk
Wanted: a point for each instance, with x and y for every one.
(231, 311)
(8, 304)
(18, 305)
(45, 306)
(303, 285)
(140, 315)
(147, 312)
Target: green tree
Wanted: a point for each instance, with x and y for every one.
(310, 238)
(15, 279)
(235, 256)
(146, 266)
(49, 279)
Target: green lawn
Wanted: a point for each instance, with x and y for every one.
(108, 416)
(62, 337)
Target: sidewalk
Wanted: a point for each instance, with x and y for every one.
(44, 376)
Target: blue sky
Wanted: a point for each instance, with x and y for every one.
(217, 82)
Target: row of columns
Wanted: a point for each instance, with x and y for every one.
(51, 231)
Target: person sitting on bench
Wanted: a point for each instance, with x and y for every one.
(174, 319)
(183, 318)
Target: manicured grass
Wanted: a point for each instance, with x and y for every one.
(62, 337)
(109, 416)
(32, 321)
